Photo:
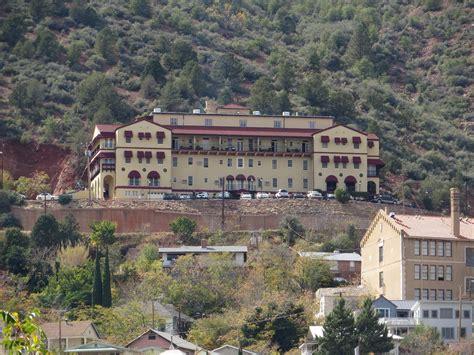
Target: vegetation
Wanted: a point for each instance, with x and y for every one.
(402, 70)
(423, 340)
(22, 334)
(183, 228)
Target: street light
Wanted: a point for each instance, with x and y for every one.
(260, 181)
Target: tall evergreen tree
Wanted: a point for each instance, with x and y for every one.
(373, 336)
(339, 333)
(106, 285)
(360, 44)
(97, 289)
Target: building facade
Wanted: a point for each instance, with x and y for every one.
(186, 153)
(419, 257)
(345, 266)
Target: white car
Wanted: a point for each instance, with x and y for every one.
(226, 195)
(202, 195)
(46, 196)
(185, 197)
(314, 194)
(282, 194)
(330, 197)
(263, 195)
(245, 196)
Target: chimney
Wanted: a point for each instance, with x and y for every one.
(455, 212)
(204, 243)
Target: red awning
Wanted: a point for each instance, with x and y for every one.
(160, 134)
(141, 134)
(160, 155)
(153, 175)
(147, 135)
(128, 134)
(324, 159)
(337, 159)
(128, 154)
(140, 154)
(337, 140)
(350, 180)
(240, 177)
(134, 174)
(148, 154)
(345, 159)
(325, 139)
(250, 178)
(229, 177)
(378, 162)
(331, 178)
(356, 140)
(344, 140)
(356, 160)
(370, 144)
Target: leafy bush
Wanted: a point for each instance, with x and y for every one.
(65, 199)
(8, 220)
(341, 195)
(183, 228)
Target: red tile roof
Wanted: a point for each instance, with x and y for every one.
(433, 226)
(107, 128)
(244, 131)
(372, 136)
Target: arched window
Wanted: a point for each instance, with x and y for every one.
(240, 181)
(134, 178)
(230, 182)
(153, 179)
(251, 183)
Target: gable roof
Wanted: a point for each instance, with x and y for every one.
(107, 128)
(177, 341)
(98, 346)
(226, 346)
(342, 125)
(404, 304)
(68, 329)
(382, 297)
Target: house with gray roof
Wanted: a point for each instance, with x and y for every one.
(345, 266)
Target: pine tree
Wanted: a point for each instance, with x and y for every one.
(339, 331)
(97, 290)
(360, 44)
(107, 289)
(372, 335)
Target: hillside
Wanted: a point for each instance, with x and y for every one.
(400, 69)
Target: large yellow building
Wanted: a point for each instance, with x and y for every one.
(419, 257)
(186, 153)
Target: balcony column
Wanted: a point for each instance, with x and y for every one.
(285, 148)
(194, 142)
(258, 144)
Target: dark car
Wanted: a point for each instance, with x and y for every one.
(298, 195)
(169, 196)
(385, 198)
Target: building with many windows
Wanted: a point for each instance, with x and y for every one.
(419, 257)
(186, 153)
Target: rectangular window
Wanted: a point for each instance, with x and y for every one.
(250, 163)
(275, 182)
(128, 160)
(290, 163)
(380, 253)
(417, 247)
(240, 145)
(417, 271)
(432, 248)
(356, 165)
(383, 312)
(356, 145)
(128, 139)
(305, 165)
(190, 160)
(440, 295)
(446, 313)
(434, 313)
(448, 250)
(440, 273)
(424, 247)
(229, 162)
(290, 183)
(190, 180)
(173, 121)
(463, 333)
(344, 165)
(441, 248)
(449, 295)
(336, 165)
(277, 124)
(208, 122)
(426, 294)
(424, 272)
(447, 333)
(469, 256)
(371, 170)
(240, 163)
(274, 164)
(381, 279)
(160, 140)
(140, 160)
(243, 123)
(449, 273)
(259, 163)
(432, 272)
(305, 183)
(466, 314)
(469, 284)
(417, 293)
(205, 162)
(324, 165)
(159, 160)
(433, 294)
(312, 124)
(175, 162)
(426, 313)
(147, 160)
(325, 144)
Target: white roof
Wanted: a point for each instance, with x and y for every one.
(316, 331)
(209, 249)
(331, 256)
(173, 352)
(348, 291)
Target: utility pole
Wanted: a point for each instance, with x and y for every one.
(2, 153)
(223, 206)
(60, 335)
(152, 314)
(87, 152)
(44, 199)
(460, 313)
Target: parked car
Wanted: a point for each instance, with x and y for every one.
(385, 198)
(298, 195)
(282, 194)
(185, 197)
(313, 194)
(263, 195)
(202, 195)
(46, 196)
(245, 196)
(226, 195)
(170, 196)
(330, 197)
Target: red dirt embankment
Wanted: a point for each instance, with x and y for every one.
(24, 159)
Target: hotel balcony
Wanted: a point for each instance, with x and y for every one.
(242, 150)
(399, 322)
